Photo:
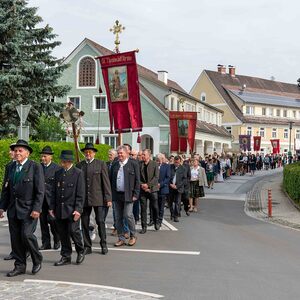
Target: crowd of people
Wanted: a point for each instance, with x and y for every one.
(132, 183)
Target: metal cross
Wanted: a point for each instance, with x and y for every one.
(116, 30)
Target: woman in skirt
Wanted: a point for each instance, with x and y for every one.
(198, 180)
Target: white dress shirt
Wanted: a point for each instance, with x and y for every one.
(120, 176)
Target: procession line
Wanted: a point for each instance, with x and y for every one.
(95, 286)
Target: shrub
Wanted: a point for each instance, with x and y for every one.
(291, 181)
(38, 146)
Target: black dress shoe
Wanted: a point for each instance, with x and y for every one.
(63, 261)
(15, 272)
(87, 251)
(104, 250)
(8, 257)
(56, 246)
(176, 219)
(151, 223)
(80, 258)
(187, 213)
(45, 247)
(143, 231)
(36, 268)
(157, 226)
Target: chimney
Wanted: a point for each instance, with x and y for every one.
(231, 70)
(221, 69)
(163, 76)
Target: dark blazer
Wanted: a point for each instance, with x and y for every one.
(49, 174)
(97, 183)
(152, 175)
(180, 177)
(109, 164)
(131, 179)
(69, 193)
(164, 179)
(25, 196)
(187, 169)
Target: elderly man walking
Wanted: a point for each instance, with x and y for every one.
(66, 206)
(125, 184)
(23, 199)
(97, 196)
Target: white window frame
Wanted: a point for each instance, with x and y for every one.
(297, 133)
(229, 129)
(203, 95)
(278, 110)
(76, 96)
(103, 136)
(94, 103)
(77, 74)
(274, 133)
(294, 114)
(262, 109)
(250, 110)
(271, 112)
(285, 113)
(82, 136)
(285, 133)
(249, 130)
(262, 132)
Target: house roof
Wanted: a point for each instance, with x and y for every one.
(212, 129)
(257, 90)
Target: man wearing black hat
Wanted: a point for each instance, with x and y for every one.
(66, 206)
(97, 196)
(49, 168)
(23, 200)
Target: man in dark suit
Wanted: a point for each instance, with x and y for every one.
(178, 178)
(163, 184)
(149, 188)
(23, 199)
(125, 185)
(50, 168)
(66, 207)
(186, 194)
(97, 196)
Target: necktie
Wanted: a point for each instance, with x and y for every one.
(18, 168)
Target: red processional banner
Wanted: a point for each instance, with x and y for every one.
(256, 143)
(245, 142)
(120, 77)
(276, 146)
(182, 130)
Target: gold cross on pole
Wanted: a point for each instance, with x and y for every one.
(116, 30)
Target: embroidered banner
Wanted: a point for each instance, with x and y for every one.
(275, 146)
(256, 142)
(182, 130)
(245, 142)
(122, 89)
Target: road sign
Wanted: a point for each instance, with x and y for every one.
(23, 111)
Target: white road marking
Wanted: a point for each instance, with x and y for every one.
(235, 197)
(151, 251)
(170, 226)
(95, 285)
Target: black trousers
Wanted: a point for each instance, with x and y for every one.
(45, 222)
(174, 203)
(69, 229)
(23, 240)
(161, 206)
(185, 200)
(153, 199)
(100, 215)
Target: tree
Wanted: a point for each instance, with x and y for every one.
(49, 129)
(28, 72)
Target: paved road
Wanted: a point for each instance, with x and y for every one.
(240, 258)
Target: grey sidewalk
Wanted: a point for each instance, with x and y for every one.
(36, 290)
(283, 211)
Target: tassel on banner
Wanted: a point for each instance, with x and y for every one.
(139, 138)
(100, 90)
(97, 140)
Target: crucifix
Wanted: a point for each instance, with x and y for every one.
(116, 30)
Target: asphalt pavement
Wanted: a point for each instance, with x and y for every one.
(217, 253)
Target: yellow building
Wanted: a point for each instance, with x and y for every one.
(252, 106)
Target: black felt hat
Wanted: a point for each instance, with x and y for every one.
(47, 150)
(89, 146)
(21, 143)
(67, 155)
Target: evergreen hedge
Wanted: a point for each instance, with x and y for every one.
(38, 146)
(291, 181)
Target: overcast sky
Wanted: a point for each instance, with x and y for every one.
(259, 37)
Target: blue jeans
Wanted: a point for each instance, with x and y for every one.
(126, 229)
(123, 210)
